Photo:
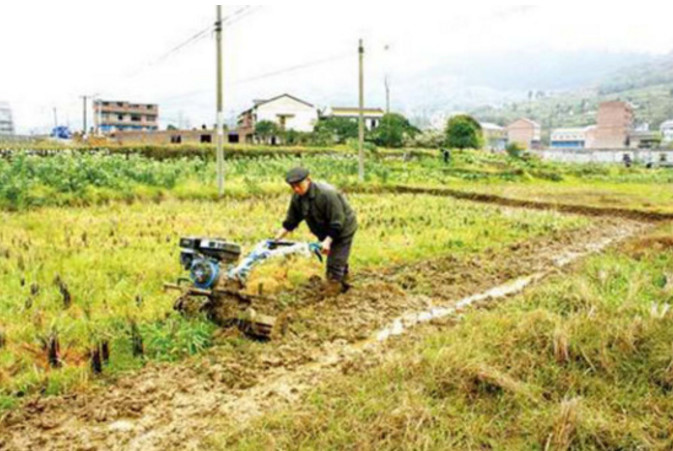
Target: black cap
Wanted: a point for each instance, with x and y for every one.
(296, 175)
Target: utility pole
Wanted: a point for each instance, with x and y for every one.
(220, 129)
(361, 121)
(385, 81)
(84, 115)
(55, 118)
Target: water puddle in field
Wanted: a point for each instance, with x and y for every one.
(403, 323)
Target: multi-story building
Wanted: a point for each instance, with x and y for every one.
(524, 132)
(6, 123)
(614, 123)
(111, 116)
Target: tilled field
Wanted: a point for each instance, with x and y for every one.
(180, 405)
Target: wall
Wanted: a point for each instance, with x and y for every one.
(604, 155)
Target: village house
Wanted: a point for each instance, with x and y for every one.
(286, 111)
(666, 129)
(525, 133)
(371, 116)
(572, 138)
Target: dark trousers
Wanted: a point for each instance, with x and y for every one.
(337, 260)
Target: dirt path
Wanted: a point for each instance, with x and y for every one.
(587, 210)
(180, 405)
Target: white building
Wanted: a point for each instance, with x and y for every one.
(371, 116)
(495, 136)
(572, 138)
(666, 130)
(6, 124)
(286, 111)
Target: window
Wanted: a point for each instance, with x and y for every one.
(120, 117)
(120, 104)
(176, 139)
(206, 138)
(136, 117)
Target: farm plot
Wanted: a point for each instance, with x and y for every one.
(224, 389)
(74, 279)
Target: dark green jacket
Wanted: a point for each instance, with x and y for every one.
(325, 210)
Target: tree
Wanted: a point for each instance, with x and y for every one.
(171, 127)
(339, 129)
(463, 132)
(393, 130)
(265, 130)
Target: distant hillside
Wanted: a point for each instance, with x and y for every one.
(654, 73)
(648, 85)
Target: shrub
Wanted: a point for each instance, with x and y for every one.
(463, 132)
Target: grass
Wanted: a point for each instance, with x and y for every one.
(581, 362)
(87, 275)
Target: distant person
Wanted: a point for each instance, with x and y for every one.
(446, 155)
(627, 160)
(329, 217)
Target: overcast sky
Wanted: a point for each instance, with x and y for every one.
(53, 54)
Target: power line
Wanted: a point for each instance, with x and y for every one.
(226, 21)
(293, 68)
(265, 75)
(200, 35)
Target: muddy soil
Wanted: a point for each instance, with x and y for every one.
(181, 405)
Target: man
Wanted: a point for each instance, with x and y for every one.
(329, 217)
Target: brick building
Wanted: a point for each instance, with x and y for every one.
(112, 116)
(203, 136)
(524, 132)
(614, 123)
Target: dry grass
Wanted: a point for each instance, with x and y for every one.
(582, 362)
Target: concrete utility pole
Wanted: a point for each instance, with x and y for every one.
(84, 115)
(361, 121)
(55, 118)
(220, 114)
(385, 81)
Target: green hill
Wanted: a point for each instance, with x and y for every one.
(648, 86)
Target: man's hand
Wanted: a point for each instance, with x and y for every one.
(326, 245)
